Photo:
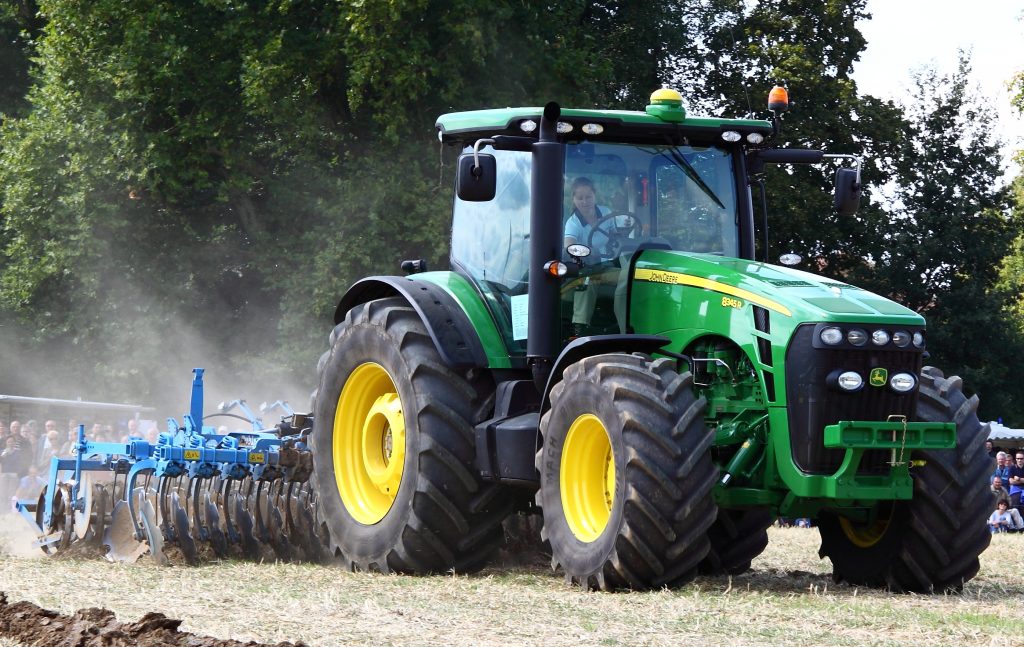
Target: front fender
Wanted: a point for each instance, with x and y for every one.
(582, 347)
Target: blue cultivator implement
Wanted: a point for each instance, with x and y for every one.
(235, 494)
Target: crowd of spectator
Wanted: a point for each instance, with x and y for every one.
(1007, 485)
(26, 449)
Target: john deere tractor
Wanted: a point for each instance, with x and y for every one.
(656, 393)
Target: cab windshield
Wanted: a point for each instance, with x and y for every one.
(684, 196)
(674, 197)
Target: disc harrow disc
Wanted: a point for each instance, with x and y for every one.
(162, 505)
(196, 510)
(119, 536)
(277, 510)
(267, 531)
(245, 526)
(218, 540)
(293, 521)
(225, 504)
(67, 528)
(57, 533)
(182, 533)
(83, 517)
(154, 536)
(99, 517)
(303, 518)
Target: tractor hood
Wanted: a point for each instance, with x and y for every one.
(790, 292)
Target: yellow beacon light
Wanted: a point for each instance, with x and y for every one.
(667, 96)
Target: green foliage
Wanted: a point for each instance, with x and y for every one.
(200, 182)
(19, 26)
(218, 172)
(1011, 269)
(810, 47)
(948, 234)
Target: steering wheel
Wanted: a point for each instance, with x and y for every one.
(614, 234)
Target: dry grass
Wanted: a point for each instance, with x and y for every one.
(788, 598)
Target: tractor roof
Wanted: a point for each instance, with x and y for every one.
(665, 117)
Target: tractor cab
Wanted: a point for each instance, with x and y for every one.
(655, 180)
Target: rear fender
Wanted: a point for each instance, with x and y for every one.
(447, 323)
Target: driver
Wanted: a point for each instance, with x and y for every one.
(585, 214)
(579, 229)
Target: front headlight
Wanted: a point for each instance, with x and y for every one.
(831, 336)
(902, 382)
(850, 381)
(846, 381)
(857, 337)
(880, 337)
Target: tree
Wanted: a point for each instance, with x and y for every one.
(1011, 270)
(811, 48)
(949, 232)
(19, 26)
(213, 175)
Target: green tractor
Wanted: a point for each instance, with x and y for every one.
(658, 394)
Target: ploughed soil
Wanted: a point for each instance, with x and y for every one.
(25, 623)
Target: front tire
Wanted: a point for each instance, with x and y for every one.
(393, 449)
(932, 542)
(626, 474)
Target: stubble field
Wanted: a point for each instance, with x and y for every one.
(787, 598)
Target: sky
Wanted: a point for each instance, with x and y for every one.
(904, 35)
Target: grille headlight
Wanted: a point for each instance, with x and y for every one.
(902, 382)
(755, 138)
(731, 136)
(831, 336)
(850, 381)
(593, 129)
(857, 337)
(528, 126)
(901, 338)
(880, 338)
(563, 127)
(919, 340)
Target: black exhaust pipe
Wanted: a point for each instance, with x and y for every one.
(545, 245)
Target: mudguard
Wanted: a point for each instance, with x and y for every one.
(582, 347)
(450, 328)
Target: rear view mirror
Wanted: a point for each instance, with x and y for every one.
(848, 191)
(477, 177)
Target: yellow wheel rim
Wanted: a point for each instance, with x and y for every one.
(369, 443)
(587, 478)
(869, 534)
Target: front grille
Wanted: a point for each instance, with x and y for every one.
(812, 405)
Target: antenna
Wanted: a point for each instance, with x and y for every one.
(735, 50)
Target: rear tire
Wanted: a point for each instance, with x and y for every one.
(737, 537)
(932, 542)
(428, 512)
(626, 474)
